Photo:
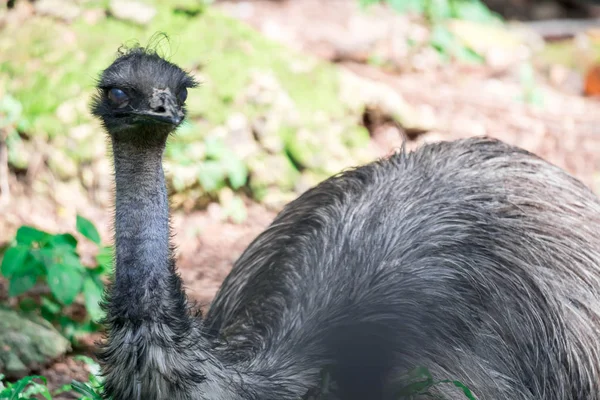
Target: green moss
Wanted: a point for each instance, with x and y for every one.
(48, 63)
(51, 68)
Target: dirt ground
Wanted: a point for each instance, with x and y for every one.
(461, 102)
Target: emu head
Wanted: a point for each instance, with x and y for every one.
(141, 94)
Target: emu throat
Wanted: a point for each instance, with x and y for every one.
(143, 254)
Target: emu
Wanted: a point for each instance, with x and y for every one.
(473, 258)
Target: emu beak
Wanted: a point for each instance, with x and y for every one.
(163, 107)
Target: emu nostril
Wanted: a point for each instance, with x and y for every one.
(160, 109)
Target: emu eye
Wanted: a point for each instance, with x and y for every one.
(182, 95)
(118, 97)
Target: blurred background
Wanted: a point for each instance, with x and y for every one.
(292, 92)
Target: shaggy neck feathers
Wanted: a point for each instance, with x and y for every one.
(142, 234)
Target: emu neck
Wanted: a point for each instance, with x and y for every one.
(143, 253)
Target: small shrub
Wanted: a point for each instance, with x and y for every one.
(90, 390)
(24, 388)
(27, 387)
(436, 12)
(11, 123)
(531, 92)
(35, 256)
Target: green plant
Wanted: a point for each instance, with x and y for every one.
(35, 256)
(422, 382)
(531, 93)
(219, 170)
(437, 12)
(12, 122)
(27, 387)
(91, 389)
(220, 166)
(24, 388)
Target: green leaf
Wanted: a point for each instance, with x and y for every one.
(407, 6)
(237, 172)
(14, 260)
(80, 329)
(92, 365)
(87, 229)
(442, 39)
(215, 148)
(211, 175)
(37, 389)
(44, 256)
(11, 106)
(465, 389)
(28, 304)
(422, 380)
(65, 240)
(92, 294)
(64, 388)
(437, 10)
(475, 11)
(28, 235)
(104, 258)
(366, 3)
(86, 390)
(65, 282)
(19, 386)
(468, 55)
(461, 386)
(49, 306)
(20, 284)
(70, 259)
(236, 210)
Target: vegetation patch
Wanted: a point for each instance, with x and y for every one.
(286, 100)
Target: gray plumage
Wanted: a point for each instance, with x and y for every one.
(473, 258)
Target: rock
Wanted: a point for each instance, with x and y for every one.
(61, 9)
(27, 343)
(307, 180)
(132, 11)
(276, 110)
(18, 152)
(275, 200)
(86, 144)
(93, 16)
(360, 93)
(272, 171)
(267, 130)
(70, 192)
(239, 137)
(183, 176)
(334, 147)
(62, 165)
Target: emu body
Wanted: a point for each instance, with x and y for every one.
(473, 258)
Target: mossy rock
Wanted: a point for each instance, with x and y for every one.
(27, 343)
(270, 171)
(328, 150)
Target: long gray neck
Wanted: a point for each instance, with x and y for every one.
(152, 339)
(144, 265)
